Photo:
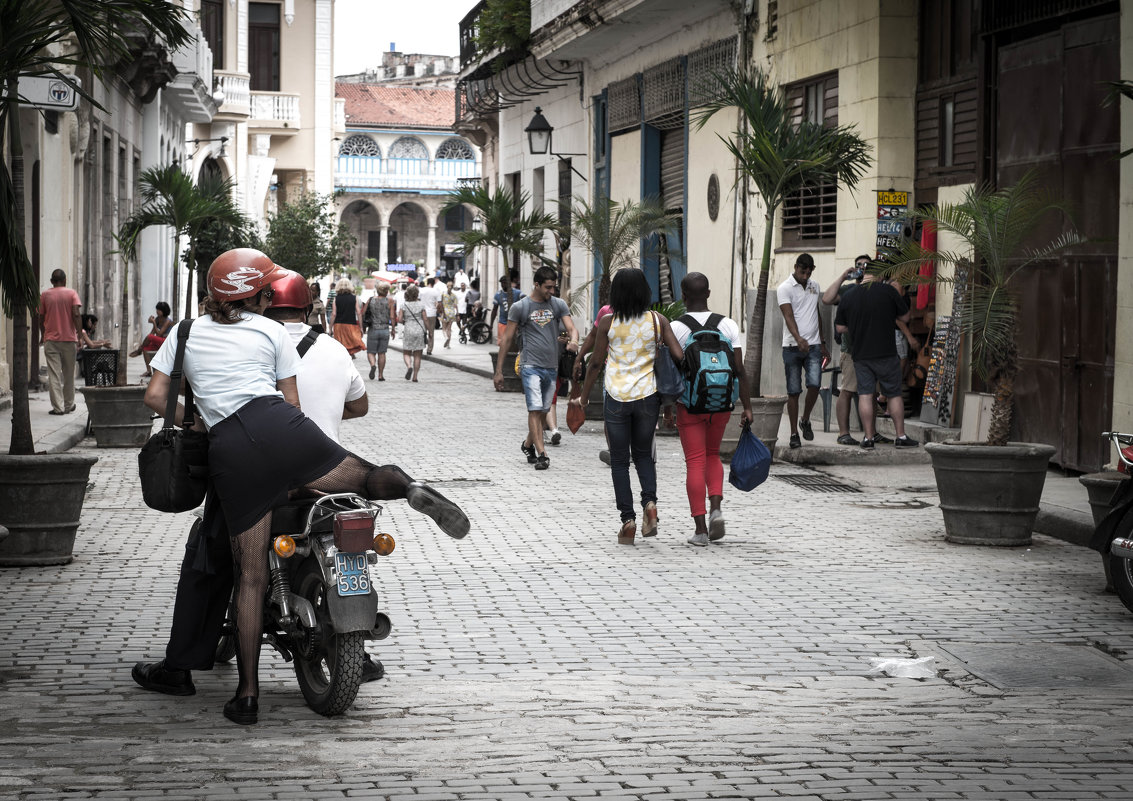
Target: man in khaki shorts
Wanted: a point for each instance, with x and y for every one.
(848, 384)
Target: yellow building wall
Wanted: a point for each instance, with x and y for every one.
(625, 167)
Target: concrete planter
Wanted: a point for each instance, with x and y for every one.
(766, 415)
(1100, 488)
(511, 380)
(989, 494)
(118, 416)
(41, 499)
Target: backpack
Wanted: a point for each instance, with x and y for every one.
(710, 382)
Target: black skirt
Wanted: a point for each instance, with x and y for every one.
(259, 453)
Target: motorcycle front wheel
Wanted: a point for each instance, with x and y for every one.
(330, 676)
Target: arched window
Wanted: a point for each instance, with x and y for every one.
(408, 147)
(359, 145)
(455, 149)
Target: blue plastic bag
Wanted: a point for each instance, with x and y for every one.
(750, 463)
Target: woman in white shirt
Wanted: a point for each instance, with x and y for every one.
(241, 367)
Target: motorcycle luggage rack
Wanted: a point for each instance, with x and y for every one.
(327, 506)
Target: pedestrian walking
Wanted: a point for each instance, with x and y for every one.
(60, 320)
(626, 342)
(701, 433)
(344, 317)
(449, 301)
(501, 306)
(379, 320)
(804, 344)
(536, 319)
(317, 316)
(430, 296)
(414, 330)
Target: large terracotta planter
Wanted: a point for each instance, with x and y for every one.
(989, 494)
(118, 416)
(766, 415)
(41, 499)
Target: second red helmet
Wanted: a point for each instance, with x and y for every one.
(241, 273)
(291, 291)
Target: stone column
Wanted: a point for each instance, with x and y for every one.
(431, 253)
(383, 247)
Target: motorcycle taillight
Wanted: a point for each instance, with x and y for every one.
(354, 531)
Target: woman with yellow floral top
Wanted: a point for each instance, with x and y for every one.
(626, 341)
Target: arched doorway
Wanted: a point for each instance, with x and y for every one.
(364, 223)
(409, 236)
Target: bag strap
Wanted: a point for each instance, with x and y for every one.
(711, 324)
(306, 342)
(175, 381)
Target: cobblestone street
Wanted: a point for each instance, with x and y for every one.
(537, 659)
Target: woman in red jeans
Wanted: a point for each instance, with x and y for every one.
(701, 433)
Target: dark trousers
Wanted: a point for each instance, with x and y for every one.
(630, 427)
(202, 601)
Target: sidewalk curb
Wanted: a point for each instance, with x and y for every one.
(464, 368)
(1064, 524)
(64, 439)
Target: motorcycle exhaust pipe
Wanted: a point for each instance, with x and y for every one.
(382, 627)
(1121, 547)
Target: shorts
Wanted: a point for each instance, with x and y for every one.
(794, 361)
(849, 380)
(538, 386)
(377, 340)
(872, 373)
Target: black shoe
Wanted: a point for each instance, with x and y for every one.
(604, 456)
(867, 444)
(905, 442)
(408, 373)
(556, 437)
(805, 427)
(881, 439)
(846, 439)
(372, 669)
(373, 372)
(795, 441)
(244, 711)
(542, 462)
(444, 512)
(157, 677)
(528, 451)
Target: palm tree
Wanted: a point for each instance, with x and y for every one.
(613, 232)
(43, 38)
(170, 198)
(505, 224)
(781, 156)
(1000, 227)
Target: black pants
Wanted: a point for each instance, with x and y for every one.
(202, 601)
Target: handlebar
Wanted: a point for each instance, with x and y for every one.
(1120, 443)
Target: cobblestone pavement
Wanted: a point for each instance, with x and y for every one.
(538, 659)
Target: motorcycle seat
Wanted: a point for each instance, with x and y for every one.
(291, 517)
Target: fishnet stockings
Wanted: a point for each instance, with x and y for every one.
(250, 548)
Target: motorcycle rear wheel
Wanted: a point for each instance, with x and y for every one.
(330, 679)
(1121, 571)
(481, 333)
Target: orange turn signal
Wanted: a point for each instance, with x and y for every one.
(384, 544)
(283, 545)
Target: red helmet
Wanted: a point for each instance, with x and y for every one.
(291, 291)
(241, 273)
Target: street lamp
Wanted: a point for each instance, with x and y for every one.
(539, 140)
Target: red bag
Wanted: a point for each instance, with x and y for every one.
(576, 415)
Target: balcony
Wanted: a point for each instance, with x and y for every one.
(371, 173)
(237, 96)
(191, 89)
(274, 112)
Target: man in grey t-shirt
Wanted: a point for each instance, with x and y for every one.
(537, 318)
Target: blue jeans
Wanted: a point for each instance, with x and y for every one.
(630, 427)
(538, 386)
(795, 362)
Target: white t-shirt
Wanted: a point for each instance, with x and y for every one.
(430, 296)
(804, 304)
(728, 328)
(230, 365)
(461, 301)
(327, 378)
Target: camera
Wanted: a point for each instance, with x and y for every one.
(856, 274)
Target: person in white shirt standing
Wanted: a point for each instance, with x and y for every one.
(804, 344)
(431, 297)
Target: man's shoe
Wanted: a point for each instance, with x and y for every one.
(373, 371)
(157, 677)
(905, 442)
(867, 444)
(542, 461)
(795, 441)
(55, 412)
(372, 669)
(556, 437)
(70, 409)
(808, 431)
(604, 456)
(528, 451)
(715, 525)
(700, 538)
(881, 439)
(244, 711)
(444, 512)
(846, 439)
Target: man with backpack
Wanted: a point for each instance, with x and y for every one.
(713, 368)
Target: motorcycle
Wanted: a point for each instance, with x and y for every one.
(1113, 537)
(322, 600)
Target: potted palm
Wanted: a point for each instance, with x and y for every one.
(780, 157)
(41, 495)
(990, 491)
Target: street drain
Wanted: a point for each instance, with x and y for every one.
(460, 483)
(1009, 666)
(816, 482)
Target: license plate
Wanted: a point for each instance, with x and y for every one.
(353, 578)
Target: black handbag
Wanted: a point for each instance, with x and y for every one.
(173, 464)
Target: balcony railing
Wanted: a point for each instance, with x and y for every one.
(274, 110)
(372, 172)
(468, 34)
(191, 89)
(237, 96)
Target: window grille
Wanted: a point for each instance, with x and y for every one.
(703, 64)
(624, 104)
(408, 147)
(359, 145)
(811, 214)
(455, 149)
(663, 87)
(772, 19)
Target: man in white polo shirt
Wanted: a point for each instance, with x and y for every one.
(804, 344)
